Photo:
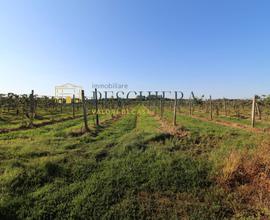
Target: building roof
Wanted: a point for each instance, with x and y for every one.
(68, 85)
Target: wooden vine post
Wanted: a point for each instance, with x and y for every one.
(190, 106)
(253, 111)
(211, 108)
(84, 112)
(206, 106)
(179, 106)
(155, 105)
(174, 109)
(258, 110)
(96, 106)
(149, 102)
(73, 106)
(61, 106)
(217, 110)
(225, 107)
(161, 108)
(111, 107)
(1, 110)
(32, 108)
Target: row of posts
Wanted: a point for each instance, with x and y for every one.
(255, 107)
(85, 110)
(32, 109)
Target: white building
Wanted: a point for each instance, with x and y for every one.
(67, 91)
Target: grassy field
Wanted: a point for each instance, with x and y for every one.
(134, 167)
(13, 120)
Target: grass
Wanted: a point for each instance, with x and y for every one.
(11, 120)
(259, 123)
(245, 120)
(126, 169)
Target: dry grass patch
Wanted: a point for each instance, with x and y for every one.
(247, 174)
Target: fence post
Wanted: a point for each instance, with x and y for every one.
(253, 112)
(96, 104)
(174, 110)
(84, 112)
(73, 106)
(211, 108)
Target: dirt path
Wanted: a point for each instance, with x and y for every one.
(166, 127)
(230, 124)
(94, 131)
(179, 131)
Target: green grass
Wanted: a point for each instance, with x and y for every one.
(212, 141)
(10, 119)
(247, 122)
(125, 169)
(262, 124)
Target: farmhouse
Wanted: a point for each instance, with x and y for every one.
(66, 91)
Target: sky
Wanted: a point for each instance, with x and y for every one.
(212, 47)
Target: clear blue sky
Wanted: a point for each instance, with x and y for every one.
(218, 47)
